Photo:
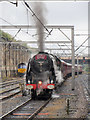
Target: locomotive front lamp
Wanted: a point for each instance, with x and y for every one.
(40, 82)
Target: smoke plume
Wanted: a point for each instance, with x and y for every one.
(39, 9)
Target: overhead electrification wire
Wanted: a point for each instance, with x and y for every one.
(17, 33)
(83, 49)
(7, 22)
(36, 16)
(62, 49)
(16, 3)
(82, 44)
(65, 36)
(15, 27)
(38, 34)
(81, 34)
(11, 25)
(49, 33)
(28, 22)
(20, 29)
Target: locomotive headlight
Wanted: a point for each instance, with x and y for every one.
(51, 81)
(50, 86)
(40, 82)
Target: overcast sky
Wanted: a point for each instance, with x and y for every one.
(56, 13)
(75, 13)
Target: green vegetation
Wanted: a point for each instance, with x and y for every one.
(6, 37)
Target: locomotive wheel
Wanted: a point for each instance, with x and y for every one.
(33, 94)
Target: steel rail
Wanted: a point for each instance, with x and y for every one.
(5, 115)
(87, 89)
(30, 117)
(2, 92)
(10, 83)
(38, 110)
(9, 96)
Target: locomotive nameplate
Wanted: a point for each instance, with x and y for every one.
(41, 56)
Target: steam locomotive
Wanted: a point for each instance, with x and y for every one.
(44, 72)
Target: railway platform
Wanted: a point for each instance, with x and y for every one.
(66, 103)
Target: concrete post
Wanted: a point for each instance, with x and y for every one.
(73, 59)
(77, 65)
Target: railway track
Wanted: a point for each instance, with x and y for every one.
(85, 84)
(87, 95)
(10, 93)
(6, 90)
(86, 89)
(26, 111)
(10, 89)
(4, 84)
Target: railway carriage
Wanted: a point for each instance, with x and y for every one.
(66, 69)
